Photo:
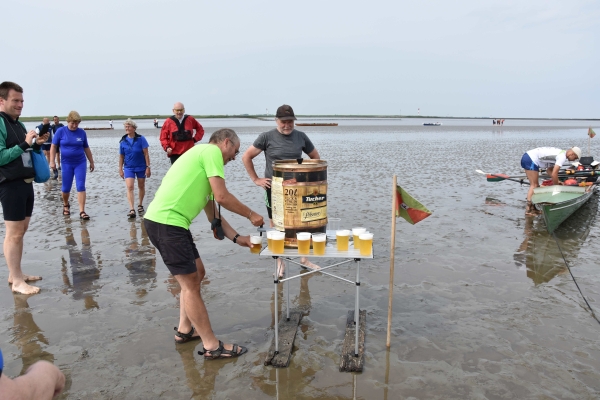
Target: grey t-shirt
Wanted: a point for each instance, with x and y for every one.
(278, 146)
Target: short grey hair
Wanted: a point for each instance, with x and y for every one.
(131, 122)
(222, 134)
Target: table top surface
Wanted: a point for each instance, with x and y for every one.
(331, 251)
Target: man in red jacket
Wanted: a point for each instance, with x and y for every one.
(177, 133)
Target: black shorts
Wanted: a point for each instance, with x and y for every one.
(46, 146)
(268, 202)
(17, 199)
(176, 246)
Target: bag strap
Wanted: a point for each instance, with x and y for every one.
(215, 215)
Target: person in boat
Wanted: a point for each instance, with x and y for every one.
(177, 133)
(545, 157)
(189, 187)
(134, 163)
(281, 143)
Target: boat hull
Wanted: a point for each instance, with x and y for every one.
(559, 202)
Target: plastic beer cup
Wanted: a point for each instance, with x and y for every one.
(269, 240)
(303, 239)
(341, 238)
(356, 236)
(366, 244)
(256, 244)
(277, 239)
(319, 240)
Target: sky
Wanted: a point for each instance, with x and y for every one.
(508, 58)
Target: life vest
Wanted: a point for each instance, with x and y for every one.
(22, 166)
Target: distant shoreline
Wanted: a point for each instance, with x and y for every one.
(271, 117)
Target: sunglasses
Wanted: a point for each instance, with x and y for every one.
(215, 225)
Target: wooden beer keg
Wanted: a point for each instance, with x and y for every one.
(299, 197)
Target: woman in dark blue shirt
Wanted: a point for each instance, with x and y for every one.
(74, 149)
(134, 163)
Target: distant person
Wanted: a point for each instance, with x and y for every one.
(16, 177)
(282, 143)
(177, 133)
(155, 123)
(57, 124)
(110, 122)
(134, 163)
(41, 381)
(185, 191)
(493, 122)
(541, 158)
(73, 143)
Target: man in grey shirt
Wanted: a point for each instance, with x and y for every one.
(281, 143)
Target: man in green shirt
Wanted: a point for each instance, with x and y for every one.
(188, 188)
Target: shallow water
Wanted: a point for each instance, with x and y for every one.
(483, 305)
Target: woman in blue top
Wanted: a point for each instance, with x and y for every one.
(134, 163)
(74, 149)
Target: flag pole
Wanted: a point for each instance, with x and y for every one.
(392, 252)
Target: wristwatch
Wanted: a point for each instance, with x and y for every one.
(234, 240)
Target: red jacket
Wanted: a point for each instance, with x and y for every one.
(168, 138)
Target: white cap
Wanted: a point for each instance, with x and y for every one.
(577, 151)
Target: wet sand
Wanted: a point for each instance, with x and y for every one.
(483, 307)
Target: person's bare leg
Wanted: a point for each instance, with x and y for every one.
(65, 198)
(81, 200)
(13, 252)
(130, 195)
(304, 261)
(141, 190)
(185, 325)
(196, 310)
(533, 177)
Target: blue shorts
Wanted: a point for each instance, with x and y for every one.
(528, 164)
(46, 146)
(70, 171)
(135, 173)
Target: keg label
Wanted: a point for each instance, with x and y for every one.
(314, 198)
(277, 200)
(313, 214)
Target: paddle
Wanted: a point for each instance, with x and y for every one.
(501, 177)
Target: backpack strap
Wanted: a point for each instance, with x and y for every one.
(180, 126)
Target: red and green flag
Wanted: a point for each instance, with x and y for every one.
(408, 208)
(591, 132)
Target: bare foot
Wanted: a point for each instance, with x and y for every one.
(280, 268)
(25, 289)
(27, 278)
(307, 264)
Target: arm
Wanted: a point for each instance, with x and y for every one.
(88, 154)
(231, 203)
(8, 155)
(554, 175)
(165, 137)
(52, 156)
(199, 131)
(147, 158)
(230, 233)
(121, 162)
(314, 154)
(41, 381)
(247, 158)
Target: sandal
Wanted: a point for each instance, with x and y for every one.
(141, 209)
(220, 352)
(131, 213)
(185, 337)
(67, 209)
(84, 216)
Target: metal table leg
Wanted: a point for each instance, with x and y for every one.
(287, 290)
(356, 309)
(276, 281)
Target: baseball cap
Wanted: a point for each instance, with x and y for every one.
(577, 151)
(285, 113)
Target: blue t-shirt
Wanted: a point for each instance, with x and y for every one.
(133, 150)
(72, 145)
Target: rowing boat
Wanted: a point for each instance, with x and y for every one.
(558, 202)
(316, 124)
(432, 124)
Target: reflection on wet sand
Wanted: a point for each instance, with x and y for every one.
(200, 377)
(141, 261)
(83, 267)
(27, 335)
(539, 251)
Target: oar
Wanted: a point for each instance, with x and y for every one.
(501, 177)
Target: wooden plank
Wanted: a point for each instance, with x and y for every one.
(349, 362)
(287, 335)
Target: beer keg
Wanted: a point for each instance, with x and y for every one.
(299, 197)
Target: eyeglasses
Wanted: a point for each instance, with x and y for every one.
(179, 109)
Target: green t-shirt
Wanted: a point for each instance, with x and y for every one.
(185, 189)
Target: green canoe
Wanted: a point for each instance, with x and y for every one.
(559, 202)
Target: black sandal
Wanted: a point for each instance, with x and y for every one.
(67, 209)
(220, 352)
(141, 209)
(131, 213)
(185, 337)
(84, 216)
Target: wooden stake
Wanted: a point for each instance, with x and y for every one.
(392, 252)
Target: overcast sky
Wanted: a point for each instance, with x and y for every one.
(509, 58)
